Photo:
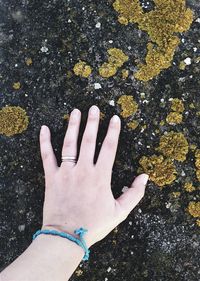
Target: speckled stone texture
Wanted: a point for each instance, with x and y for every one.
(159, 241)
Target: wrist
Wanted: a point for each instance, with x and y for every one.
(58, 246)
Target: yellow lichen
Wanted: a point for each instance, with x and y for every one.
(79, 272)
(194, 209)
(189, 187)
(197, 163)
(162, 23)
(128, 106)
(125, 73)
(197, 156)
(82, 69)
(115, 60)
(182, 65)
(198, 222)
(192, 106)
(174, 118)
(177, 105)
(176, 194)
(13, 120)
(66, 117)
(133, 124)
(28, 61)
(102, 116)
(16, 85)
(174, 145)
(193, 147)
(162, 123)
(161, 171)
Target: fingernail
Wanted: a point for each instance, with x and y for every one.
(145, 178)
(75, 114)
(94, 110)
(115, 119)
(43, 129)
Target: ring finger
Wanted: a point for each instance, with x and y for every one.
(71, 137)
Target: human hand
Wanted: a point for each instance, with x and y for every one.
(79, 194)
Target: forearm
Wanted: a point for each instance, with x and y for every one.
(48, 257)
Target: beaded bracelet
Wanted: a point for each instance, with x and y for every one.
(80, 232)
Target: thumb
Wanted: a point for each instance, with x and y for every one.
(130, 198)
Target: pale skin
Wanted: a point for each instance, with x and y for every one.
(76, 195)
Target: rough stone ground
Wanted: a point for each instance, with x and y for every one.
(159, 241)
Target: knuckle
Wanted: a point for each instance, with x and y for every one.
(109, 143)
(68, 142)
(88, 139)
(45, 154)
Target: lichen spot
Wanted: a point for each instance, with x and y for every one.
(116, 59)
(161, 171)
(82, 69)
(174, 145)
(174, 118)
(133, 124)
(194, 209)
(188, 186)
(197, 163)
(128, 106)
(16, 85)
(13, 120)
(177, 105)
(162, 24)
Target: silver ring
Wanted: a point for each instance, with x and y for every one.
(69, 159)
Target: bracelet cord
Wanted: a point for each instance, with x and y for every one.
(81, 241)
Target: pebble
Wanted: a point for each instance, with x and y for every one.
(98, 25)
(97, 86)
(188, 61)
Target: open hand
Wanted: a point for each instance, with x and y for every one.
(79, 194)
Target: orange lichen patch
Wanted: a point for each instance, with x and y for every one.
(189, 187)
(133, 124)
(16, 85)
(125, 73)
(66, 117)
(161, 171)
(82, 69)
(13, 120)
(177, 105)
(162, 23)
(174, 118)
(28, 61)
(115, 60)
(128, 106)
(194, 209)
(174, 145)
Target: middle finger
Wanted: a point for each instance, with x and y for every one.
(88, 143)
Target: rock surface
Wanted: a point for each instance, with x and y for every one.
(40, 42)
